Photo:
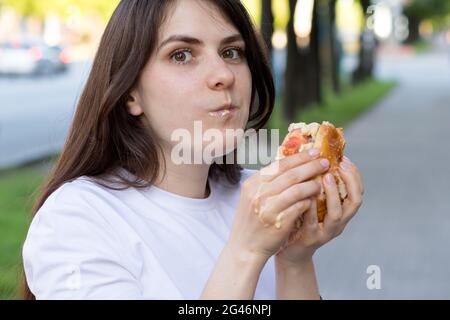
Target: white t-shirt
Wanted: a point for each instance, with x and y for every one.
(91, 242)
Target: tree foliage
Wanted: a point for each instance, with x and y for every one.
(61, 7)
(436, 10)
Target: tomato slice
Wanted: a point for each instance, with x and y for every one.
(293, 142)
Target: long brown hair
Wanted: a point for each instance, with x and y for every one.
(104, 136)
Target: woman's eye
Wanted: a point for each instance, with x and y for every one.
(233, 53)
(181, 57)
(185, 55)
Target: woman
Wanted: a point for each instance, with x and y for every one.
(120, 218)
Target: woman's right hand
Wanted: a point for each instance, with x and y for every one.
(272, 200)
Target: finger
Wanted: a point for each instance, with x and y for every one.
(309, 228)
(310, 220)
(277, 168)
(297, 192)
(332, 220)
(355, 169)
(286, 219)
(296, 175)
(354, 199)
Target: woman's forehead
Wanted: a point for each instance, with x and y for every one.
(196, 18)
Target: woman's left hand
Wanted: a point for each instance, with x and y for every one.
(305, 241)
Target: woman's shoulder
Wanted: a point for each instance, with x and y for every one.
(78, 211)
(75, 226)
(82, 191)
(82, 202)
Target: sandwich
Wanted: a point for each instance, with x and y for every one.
(324, 137)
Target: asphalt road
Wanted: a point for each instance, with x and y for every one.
(35, 114)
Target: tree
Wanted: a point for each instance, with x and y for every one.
(366, 55)
(41, 8)
(334, 53)
(26, 7)
(267, 21)
(303, 67)
(290, 85)
(311, 78)
(436, 10)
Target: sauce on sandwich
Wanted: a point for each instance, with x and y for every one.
(294, 142)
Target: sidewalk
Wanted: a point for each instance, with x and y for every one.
(402, 148)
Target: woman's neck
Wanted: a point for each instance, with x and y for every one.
(187, 180)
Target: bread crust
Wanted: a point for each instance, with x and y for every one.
(331, 143)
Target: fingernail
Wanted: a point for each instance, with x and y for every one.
(325, 163)
(345, 166)
(314, 152)
(329, 179)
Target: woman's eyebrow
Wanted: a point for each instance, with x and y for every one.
(191, 40)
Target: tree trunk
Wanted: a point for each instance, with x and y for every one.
(303, 68)
(366, 51)
(309, 67)
(290, 85)
(413, 24)
(267, 21)
(315, 67)
(334, 48)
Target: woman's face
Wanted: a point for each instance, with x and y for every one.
(198, 69)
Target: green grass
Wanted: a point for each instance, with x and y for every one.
(421, 46)
(338, 109)
(17, 191)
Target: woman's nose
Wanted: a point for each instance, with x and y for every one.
(220, 75)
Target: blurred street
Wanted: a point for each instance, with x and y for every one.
(35, 113)
(402, 149)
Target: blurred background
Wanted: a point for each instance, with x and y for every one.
(380, 69)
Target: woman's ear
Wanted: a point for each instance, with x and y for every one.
(133, 105)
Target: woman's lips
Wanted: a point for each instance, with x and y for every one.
(223, 113)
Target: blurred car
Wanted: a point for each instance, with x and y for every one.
(32, 57)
